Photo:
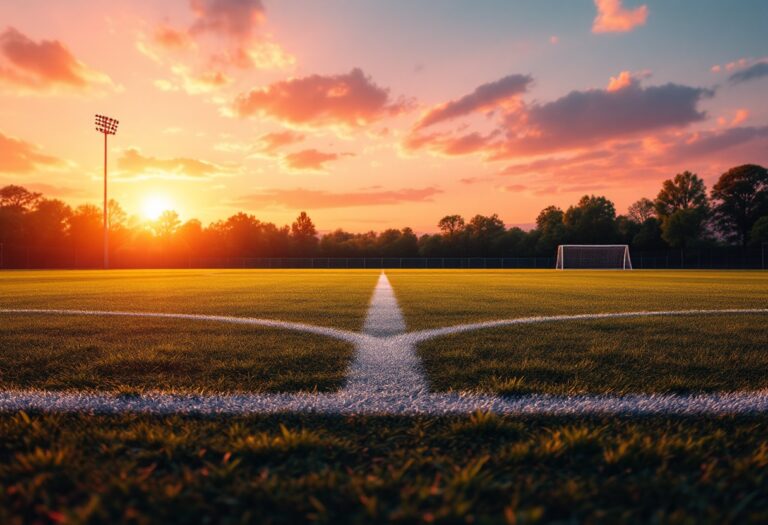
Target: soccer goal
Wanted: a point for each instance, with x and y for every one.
(593, 256)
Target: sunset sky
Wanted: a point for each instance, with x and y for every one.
(372, 114)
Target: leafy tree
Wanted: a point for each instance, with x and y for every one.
(451, 225)
(484, 233)
(552, 229)
(85, 232)
(648, 236)
(13, 196)
(641, 210)
(740, 198)
(685, 191)
(166, 225)
(682, 227)
(304, 235)
(683, 207)
(759, 233)
(47, 223)
(592, 220)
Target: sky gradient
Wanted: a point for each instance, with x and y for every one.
(378, 114)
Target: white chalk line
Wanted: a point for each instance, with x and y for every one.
(385, 377)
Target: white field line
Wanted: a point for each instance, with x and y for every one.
(386, 377)
(424, 335)
(383, 367)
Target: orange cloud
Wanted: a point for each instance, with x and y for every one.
(612, 17)
(133, 165)
(236, 23)
(20, 157)
(492, 95)
(349, 100)
(623, 80)
(317, 199)
(193, 83)
(310, 160)
(271, 142)
(450, 145)
(740, 116)
(43, 66)
(170, 38)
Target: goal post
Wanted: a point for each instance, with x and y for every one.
(593, 256)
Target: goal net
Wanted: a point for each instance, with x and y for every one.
(593, 256)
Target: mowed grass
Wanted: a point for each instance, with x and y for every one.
(296, 469)
(686, 354)
(133, 355)
(323, 297)
(439, 298)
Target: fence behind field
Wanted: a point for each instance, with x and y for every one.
(33, 257)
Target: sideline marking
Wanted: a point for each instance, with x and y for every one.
(385, 376)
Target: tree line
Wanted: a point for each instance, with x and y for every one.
(682, 215)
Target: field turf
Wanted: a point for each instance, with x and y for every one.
(680, 354)
(126, 355)
(323, 297)
(295, 469)
(432, 299)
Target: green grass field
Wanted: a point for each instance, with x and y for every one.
(298, 469)
(293, 468)
(444, 298)
(322, 297)
(687, 354)
(134, 355)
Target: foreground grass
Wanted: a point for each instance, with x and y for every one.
(443, 297)
(324, 297)
(127, 355)
(656, 354)
(290, 469)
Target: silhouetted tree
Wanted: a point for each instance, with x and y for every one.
(759, 233)
(304, 235)
(592, 220)
(552, 230)
(47, 224)
(13, 196)
(683, 207)
(641, 210)
(685, 191)
(484, 234)
(740, 198)
(166, 225)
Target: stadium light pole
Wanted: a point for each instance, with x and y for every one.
(107, 126)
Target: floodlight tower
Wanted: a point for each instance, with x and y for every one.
(107, 126)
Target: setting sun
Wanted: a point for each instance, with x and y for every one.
(154, 205)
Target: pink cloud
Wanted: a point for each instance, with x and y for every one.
(316, 199)
(43, 65)
(612, 17)
(450, 145)
(235, 18)
(310, 160)
(20, 157)
(488, 96)
(271, 142)
(349, 100)
(582, 119)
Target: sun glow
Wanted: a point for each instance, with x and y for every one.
(154, 205)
